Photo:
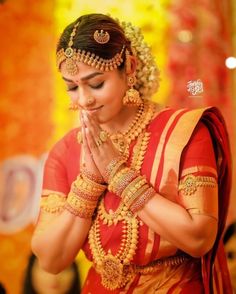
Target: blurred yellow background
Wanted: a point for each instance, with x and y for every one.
(190, 39)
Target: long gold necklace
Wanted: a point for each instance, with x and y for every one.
(110, 267)
(113, 268)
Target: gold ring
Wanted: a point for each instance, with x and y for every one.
(99, 142)
(103, 136)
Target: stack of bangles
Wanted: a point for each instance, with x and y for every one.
(133, 188)
(83, 196)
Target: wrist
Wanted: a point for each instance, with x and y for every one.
(83, 196)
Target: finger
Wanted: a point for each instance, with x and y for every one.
(99, 135)
(91, 124)
(91, 144)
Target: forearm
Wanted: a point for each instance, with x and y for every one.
(57, 244)
(194, 234)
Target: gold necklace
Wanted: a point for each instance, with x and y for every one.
(122, 140)
(113, 268)
(119, 138)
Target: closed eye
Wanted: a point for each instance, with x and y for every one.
(72, 88)
(98, 86)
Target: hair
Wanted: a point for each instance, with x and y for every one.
(84, 40)
(28, 287)
(122, 34)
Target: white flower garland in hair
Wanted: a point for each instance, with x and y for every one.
(147, 74)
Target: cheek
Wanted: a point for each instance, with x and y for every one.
(73, 96)
(113, 92)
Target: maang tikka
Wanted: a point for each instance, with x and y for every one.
(132, 96)
(72, 56)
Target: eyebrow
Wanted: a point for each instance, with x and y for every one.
(88, 77)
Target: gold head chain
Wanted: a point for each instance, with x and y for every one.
(72, 56)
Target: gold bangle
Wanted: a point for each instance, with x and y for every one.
(141, 201)
(91, 176)
(84, 195)
(117, 178)
(88, 186)
(121, 180)
(113, 168)
(79, 206)
(130, 191)
(136, 195)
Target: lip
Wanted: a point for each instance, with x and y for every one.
(93, 110)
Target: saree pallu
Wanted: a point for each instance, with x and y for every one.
(173, 135)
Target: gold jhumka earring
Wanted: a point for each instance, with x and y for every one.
(132, 96)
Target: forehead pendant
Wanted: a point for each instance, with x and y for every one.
(101, 37)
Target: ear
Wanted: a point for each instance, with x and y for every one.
(133, 65)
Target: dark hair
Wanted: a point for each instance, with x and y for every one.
(84, 40)
(28, 287)
(230, 231)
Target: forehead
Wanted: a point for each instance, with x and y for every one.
(83, 70)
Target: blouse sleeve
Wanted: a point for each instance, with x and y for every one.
(198, 189)
(56, 178)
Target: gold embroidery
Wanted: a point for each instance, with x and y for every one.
(53, 203)
(190, 183)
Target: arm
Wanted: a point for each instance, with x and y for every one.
(58, 238)
(60, 231)
(192, 233)
(191, 230)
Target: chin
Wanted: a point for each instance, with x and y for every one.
(103, 120)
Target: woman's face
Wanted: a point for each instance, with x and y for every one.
(106, 89)
(46, 283)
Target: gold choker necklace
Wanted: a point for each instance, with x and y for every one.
(122, 140)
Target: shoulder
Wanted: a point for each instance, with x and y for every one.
(66, 142)
(63, 146)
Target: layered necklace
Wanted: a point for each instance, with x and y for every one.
(114, 269)
(122, 140)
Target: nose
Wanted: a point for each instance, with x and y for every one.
(85, 100)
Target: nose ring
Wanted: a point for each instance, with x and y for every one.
(90, 100)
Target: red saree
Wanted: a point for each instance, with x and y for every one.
(175, 146)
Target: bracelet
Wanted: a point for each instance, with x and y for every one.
(113, 167)
(116, 178)
(79, 206)
(121, 180)
(83, 196)
(131, 191)
(86, 185)
(91, 176)
(141, 201)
